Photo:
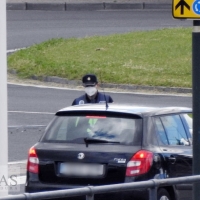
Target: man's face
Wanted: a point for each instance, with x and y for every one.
(91, 90)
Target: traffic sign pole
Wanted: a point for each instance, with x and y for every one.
(3, 103)
(196, 104)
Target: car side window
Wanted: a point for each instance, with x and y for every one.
(174, 130)
(161, 132)
(188, 118)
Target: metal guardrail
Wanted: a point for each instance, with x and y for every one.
(89, 191)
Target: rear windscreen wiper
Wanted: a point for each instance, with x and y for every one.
(93, 141)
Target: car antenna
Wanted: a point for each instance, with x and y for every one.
(104, 92)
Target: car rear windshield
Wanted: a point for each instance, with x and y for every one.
(99, 128)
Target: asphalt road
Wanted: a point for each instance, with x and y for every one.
(26, 103)
(25, 28)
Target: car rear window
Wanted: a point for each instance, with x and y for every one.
(74, 129)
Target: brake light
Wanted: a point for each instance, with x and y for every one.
(140, 163)
(33, 161)
(96, 117)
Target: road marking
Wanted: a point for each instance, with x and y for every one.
(17, 162)
(27, 112)
(14, 50)
(45, 87)
(28, 126)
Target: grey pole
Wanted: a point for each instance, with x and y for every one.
(3, 102)
(196, 104)
(153, 193)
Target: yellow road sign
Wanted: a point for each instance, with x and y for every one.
(183, 9)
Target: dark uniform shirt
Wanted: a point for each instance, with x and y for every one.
(100, 98)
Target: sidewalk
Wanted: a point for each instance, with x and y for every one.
(75, 5)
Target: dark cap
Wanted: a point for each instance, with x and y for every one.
(89, 79)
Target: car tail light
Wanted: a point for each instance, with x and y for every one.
(95, 116)
(140, 163)
(33, 161)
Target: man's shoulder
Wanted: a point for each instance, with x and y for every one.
(76, 101)
(108, 97)
(102, 93)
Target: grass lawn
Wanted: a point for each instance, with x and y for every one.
(155, 58)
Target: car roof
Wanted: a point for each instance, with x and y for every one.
(123, 108)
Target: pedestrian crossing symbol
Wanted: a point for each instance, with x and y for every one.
(186, 9)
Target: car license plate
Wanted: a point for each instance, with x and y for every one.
(81, 169)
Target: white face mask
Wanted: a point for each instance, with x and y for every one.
(90, 91)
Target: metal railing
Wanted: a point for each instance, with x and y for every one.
(90, 191)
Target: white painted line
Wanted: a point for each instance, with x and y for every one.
(48, 87)
(14, 50)
(28, 126)
(27, 112)
(17, 162)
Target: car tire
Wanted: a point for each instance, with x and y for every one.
(163, 194)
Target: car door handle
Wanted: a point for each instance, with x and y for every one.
(172, 159)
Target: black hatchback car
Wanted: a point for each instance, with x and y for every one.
(99, 145)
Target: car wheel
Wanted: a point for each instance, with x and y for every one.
(163, 194)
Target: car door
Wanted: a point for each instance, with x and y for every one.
(175, 148)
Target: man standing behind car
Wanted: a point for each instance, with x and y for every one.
(92, 95)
